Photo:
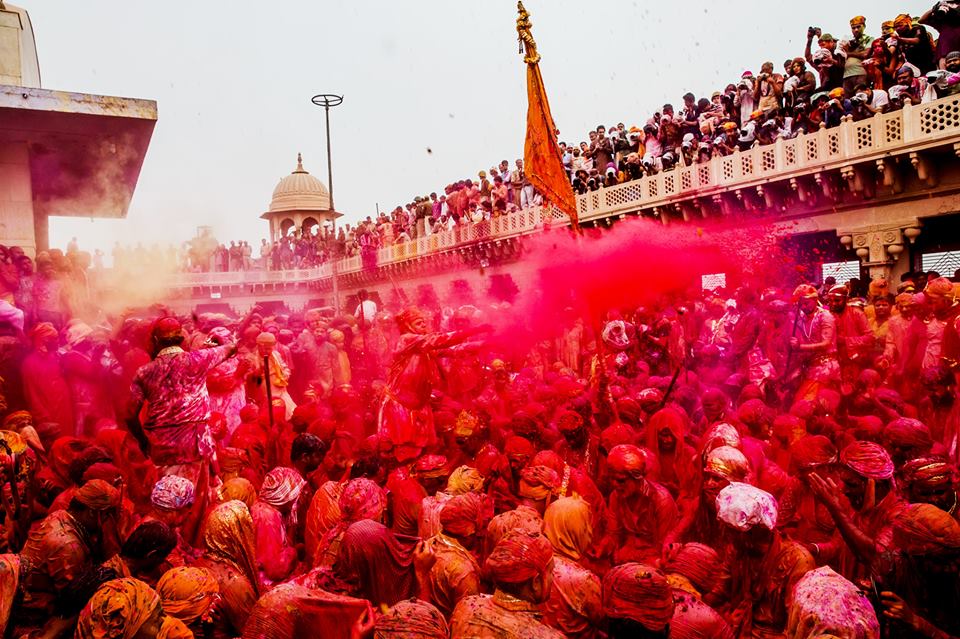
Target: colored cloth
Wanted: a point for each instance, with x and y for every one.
(282, 486)
(693, 619)
(453, 575)
(640, 593)
(464, 479)
(518, 557)
(276, 555)
(868, 459)
(411, 619)
(188, 593)
(230, 555)
(575, 603)
(291, 611)
(322, 515)
(924, 529)
(377, 563)
(522, 518)
(174, 386)
(172, 492)
(743, 506)
(361, 499)
(700, 564)
(498, 616)
(56, 553)
(240, 489)
(9, 584)
(47, 391)
(824, 602)
(462, 514)
(117, 610)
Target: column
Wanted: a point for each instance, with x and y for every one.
(16, 199)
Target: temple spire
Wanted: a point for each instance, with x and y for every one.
(299, 168)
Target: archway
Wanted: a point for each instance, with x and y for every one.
(285, 227)
(308, 226)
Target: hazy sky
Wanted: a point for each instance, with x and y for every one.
(233, 82)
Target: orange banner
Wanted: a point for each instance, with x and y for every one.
(543, 163)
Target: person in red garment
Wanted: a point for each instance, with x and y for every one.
(45, 387)
(406, 418)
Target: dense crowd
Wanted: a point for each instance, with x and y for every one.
(760, 462)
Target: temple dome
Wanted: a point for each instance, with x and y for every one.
(300, 191)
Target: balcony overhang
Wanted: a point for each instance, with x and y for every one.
(86, 151)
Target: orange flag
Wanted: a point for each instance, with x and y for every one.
(543, 163)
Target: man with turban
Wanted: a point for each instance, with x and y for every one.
(171, 501)
(823, 601)
(520, 567)
(637, 602)
(802, 516)
(675, 457)
(578, 447)
(923, 593)
(44, 385)
(538, 485)
(127, 609)
(929, 480)
(431, 472)
(275, 523)
(176, 432)
(698, 570)
(814, 344)
(765, 565)
(858, 49)
(454, 573)
(63, 546)
(865, 477)
(641, 512)
(721, 466)
(574, 606)
(411, 619)
(190, 595)
(406, 418)
(906, 438)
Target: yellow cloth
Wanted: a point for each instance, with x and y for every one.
(117, 610)
(567, 525)
(228, 536)
(188, 593)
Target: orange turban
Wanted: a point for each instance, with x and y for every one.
(639, 593)
(188, 593)
(924, 529)
(430, 467)
(43, 332)
(812, 451)
(516, 446)
(362, 499)
(857, 20)
(538, 482)
(902, 21)
(97, 494)
(699, 563)
(412, 619)
(464, 480)
(630, 459)
(727, 462)
(117, 610)
(522, 518)
(867, 459)
(463, 514)
(930, 472)
(239, 488)
(519, 557)
(940, 287)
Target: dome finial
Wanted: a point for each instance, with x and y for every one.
(299, 168)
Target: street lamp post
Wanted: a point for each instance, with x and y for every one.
(328, 101)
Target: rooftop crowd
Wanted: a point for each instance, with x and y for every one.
(769, 461)
(856, 76)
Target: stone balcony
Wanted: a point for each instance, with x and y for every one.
(856, 167)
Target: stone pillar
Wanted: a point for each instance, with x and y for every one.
(16, 198)
(879, 247)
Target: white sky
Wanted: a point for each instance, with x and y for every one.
(233, 82)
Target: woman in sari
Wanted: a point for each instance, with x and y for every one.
(230, 556)
(575, 604)
(377, 563)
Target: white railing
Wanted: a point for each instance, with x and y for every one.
(911, 129)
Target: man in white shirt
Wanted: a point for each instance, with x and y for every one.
(366, 310)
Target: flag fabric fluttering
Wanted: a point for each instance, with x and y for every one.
(543, 164)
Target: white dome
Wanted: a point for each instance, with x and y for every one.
(300, 191)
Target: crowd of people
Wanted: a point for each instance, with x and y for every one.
(855, 77)
(768, 461)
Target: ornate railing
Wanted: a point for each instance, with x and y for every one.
(912, 129)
